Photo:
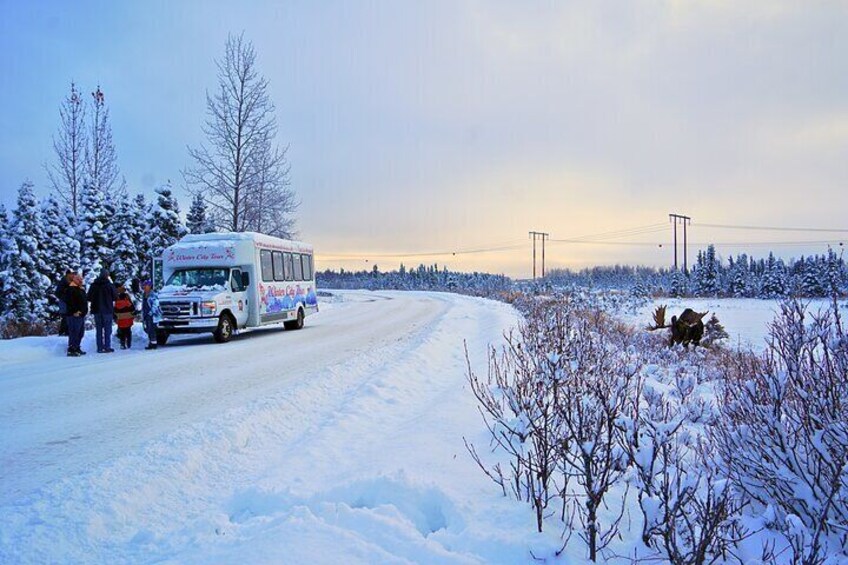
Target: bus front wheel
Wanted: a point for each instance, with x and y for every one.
(162, 337)
(225, 329)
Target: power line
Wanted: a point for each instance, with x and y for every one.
(460, 251)
(612, 237)
(770, 228)
(716, 243)
(639, 230)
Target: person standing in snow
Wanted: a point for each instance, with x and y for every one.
(151, 313)
(124, 316)
(59, 292)
(77, 308)
(102, 295)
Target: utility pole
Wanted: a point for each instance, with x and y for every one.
(540, 236)
(685, 221)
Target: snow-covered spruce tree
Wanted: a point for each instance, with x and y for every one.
(141, 221)
(7, 249)
(679, 284)
(122, 241)
(774, 278)
(60, 247)
(166, 225)
(67, 173)
(812, 279)
(714, 332)
(835, 273)
(95, 252)
(27, 289)
(197, 220)
(783, 434)
(739, 282)
(241, 171)
(706, 273)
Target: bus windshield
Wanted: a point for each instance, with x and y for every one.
(199, 278)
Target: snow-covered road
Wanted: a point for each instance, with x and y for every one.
(61, 415)
(339, 442)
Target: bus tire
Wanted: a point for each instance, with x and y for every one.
(226, 327)
(162, 337)
(295, 324)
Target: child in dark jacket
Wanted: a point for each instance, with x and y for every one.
(124, 316)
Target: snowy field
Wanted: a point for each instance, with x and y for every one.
(341, 443)
(746, 320)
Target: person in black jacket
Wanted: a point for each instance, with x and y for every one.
(102, 295)
(77, 307)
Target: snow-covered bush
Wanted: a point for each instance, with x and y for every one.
(682, 456)
(553, 400)
(688, 513)
(783, 434)
(519, 402)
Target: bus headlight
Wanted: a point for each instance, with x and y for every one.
(208, 308)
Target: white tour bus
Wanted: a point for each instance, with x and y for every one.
(220, 282)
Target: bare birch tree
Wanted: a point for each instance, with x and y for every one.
(67, 173)
(101, 160)
(240, 171)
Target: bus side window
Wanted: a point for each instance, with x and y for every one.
(298, 268)
(289, 267)
(307, 267)
(279, 275)
(267, 265)
(235, 281)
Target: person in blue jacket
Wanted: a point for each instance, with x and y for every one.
(151, 313)
(102, 295)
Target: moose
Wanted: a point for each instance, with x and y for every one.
(688, 328)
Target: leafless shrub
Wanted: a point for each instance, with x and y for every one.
(518, 401)
(595, 385)
(687, 511)
(784, 432)
(552, 400)
(12, 327)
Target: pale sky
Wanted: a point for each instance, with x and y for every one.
(435, 126)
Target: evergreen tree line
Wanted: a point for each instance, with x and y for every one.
(423, 277)
(742, 276)
(88, 221)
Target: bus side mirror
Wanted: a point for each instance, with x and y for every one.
(245, 280)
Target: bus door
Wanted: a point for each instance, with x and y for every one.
(239, 284)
